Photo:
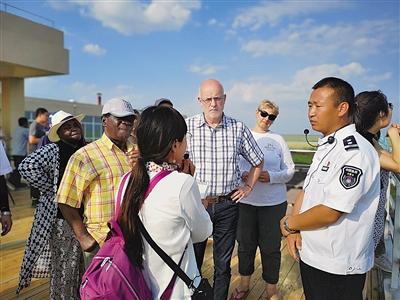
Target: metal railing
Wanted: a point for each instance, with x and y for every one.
(393, 223)
(23, 13)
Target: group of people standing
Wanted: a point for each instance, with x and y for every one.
(245, 172)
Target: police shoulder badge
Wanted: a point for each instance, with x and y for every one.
(350, 176)
(350, 143)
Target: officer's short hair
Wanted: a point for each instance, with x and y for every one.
(343, 90)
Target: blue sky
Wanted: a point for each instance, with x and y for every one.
(144, 50)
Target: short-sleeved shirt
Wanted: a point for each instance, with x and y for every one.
(216, 152)
(343, 176)
(279, 164)
(20, 141)
(37, 130)
(91, 179)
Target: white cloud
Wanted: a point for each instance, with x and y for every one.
(131, 17)
(308, 38)
(379, 77)
(94, 49)
(60, 5)
(206, 69)
(291, 96)
(214, 22)
(253, 90)
(271, 12)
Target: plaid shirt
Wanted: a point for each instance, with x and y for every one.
(216, 151)
(91, 178)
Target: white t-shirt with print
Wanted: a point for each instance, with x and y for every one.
(279, 164)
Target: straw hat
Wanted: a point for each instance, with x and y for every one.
(58, 119)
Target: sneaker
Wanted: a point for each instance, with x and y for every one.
(10, 186)
(383, 262)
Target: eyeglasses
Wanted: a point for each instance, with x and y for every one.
(264, 114)
(217, 99)
(390, 105)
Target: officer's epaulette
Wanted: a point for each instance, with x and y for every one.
(350, 143)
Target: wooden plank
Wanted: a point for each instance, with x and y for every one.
(38, 286)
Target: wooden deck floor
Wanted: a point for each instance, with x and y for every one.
(12, 247)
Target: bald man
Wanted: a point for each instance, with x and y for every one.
(215, 145)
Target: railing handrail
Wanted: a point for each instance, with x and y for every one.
(393, 204)
(52, 23)
(303, 150)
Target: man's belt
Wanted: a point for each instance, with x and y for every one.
(219, 199)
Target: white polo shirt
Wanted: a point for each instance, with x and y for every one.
(343, 176)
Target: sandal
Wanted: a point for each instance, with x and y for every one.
(239, 295)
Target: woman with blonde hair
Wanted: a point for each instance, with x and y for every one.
(261, 211)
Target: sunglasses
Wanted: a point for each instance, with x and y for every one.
(264, 114)
(390, 105)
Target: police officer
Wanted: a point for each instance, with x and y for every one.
(330, 229)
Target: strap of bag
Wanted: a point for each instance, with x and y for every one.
(124, 184)
(153, 182)
(121, 191)
(164, 256)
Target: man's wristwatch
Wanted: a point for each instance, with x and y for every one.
(287, 228)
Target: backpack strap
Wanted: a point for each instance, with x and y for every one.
(178, 272)
(124, 184)
(164, 256)
(114, 227)
(153, 182)
(121, 192)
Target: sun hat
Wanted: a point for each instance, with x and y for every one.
(58, 119)
(118, 107)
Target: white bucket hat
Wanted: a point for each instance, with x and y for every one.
(58, 119)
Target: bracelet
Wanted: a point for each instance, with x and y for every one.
(6, 213)
(248, 185)
(287, 228)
